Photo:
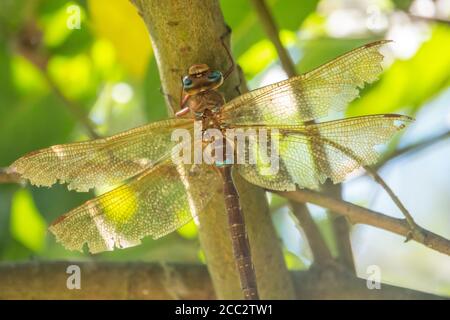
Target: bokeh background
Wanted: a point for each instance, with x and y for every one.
(105, 69)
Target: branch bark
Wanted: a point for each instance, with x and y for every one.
(139, 280)
(341, 229)
(271, 30)
(9, 176)
(321, 254)
(188, 32)
(415, 147)
(357, 214)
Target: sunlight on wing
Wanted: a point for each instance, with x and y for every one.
(84, 165)
(310, 96)
(155, 203)
(313, 152)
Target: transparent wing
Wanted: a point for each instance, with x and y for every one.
(155, 203)
(95, 163)
(309, 96)
(310, 153)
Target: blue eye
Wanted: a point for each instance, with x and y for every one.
(214, 75)
(187, 82)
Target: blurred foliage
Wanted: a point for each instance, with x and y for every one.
(109, 18)
(107, 69)
(415, 80)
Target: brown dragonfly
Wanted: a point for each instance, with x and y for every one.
(159, 195)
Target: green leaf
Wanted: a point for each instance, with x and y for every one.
(293, 262)
(316, 52)
(30, 125)
(153, 97)
(6, 194)
(410, 83)
(27, 225)
(261, 54)
(189, 230)
(57, 200)
(8, 92)
(13, 13)
(247, 30)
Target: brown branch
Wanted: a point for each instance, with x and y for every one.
(8, 176)
(316, 242)
(409, 219)
(140, 280)
(271, 30)
(341, 229)
(357, 214)
(415, 147)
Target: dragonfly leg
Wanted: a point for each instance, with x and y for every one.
(230, 57)
(233, 66)
(238, 87)
(183, 109)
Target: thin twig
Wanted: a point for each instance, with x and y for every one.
(341, 229)
(396, 200)
(415, 147)
(8, 176)
(377, 178)
(357, 214)
(271, 29)
(319, 248)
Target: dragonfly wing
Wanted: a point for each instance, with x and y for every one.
(309, 96)
(155, 203)
(84, 165)
(310, 153)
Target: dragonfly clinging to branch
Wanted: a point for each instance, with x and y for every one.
(160, 195)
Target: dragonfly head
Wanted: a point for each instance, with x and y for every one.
(201, 78)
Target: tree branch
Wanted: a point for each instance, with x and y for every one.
(341, 229)
(316, 242)
(357, 214)
(271, 30)
(8, 176)
(184, 33)
(29, 46)
(415, 147)
(140, 280)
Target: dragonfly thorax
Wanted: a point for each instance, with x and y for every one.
(205, 104)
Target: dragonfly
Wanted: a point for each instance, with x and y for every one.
(158, 196)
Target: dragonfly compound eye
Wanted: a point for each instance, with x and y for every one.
(187, 82)
(214, 76)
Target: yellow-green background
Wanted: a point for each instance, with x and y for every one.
(107, 68)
